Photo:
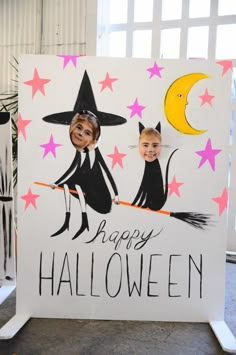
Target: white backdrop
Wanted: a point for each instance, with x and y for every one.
(132, 263)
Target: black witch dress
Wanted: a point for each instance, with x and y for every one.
(91, 180)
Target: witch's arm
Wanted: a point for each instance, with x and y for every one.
(75, 162)
(107, 171)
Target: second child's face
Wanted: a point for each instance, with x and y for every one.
(150, 148)
(82, 135)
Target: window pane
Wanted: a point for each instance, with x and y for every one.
(117, 44)
(118, 11)
(143, 10)
(199, 8)
(227, 7)
(225, 42)
(170, 42)
(171, 9)
(198, 42)
(142, 44)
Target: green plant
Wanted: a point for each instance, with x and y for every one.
(9, 103)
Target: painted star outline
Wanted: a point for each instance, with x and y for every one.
(117, 157)
(30, 199)
(208, 154)
(206, 98)
(107, 82)
(136, 109)
(68, 59)
(155, 70)
(37, 83)
(222, 201)
(22, 125)
(50, 147)
(174, 187)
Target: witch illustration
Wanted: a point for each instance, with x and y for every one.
(84, 179)
(151, 193)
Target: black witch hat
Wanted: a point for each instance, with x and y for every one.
(85, 101)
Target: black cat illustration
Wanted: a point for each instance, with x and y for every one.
(152, 192)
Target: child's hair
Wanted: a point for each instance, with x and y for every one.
(149, 131)
(87, 116)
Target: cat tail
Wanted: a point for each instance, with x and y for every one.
(167, 174)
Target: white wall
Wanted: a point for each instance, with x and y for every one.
(43, 27)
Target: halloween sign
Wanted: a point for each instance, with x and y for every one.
(122, 188)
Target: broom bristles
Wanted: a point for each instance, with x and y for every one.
(195, 219)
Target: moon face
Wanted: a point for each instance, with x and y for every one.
(176, 100)
(4, 117)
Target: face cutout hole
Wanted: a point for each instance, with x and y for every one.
(84, 131)
(150, 144)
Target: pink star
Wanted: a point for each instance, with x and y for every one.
(208, 154)
(50, 147)
(174, 187)
(21, 125)
(206, 98)
(37, 83)
(69, 58)
(30, 199)
(116, 158)
(136, 109)
(155, 70)
(226, 64)
(107, 82)
(222, 201)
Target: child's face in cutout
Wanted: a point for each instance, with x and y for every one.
(82, 136)
(149, 147)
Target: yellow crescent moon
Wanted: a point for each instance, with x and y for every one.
(176, 101)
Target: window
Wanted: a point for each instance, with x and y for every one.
(199, 8)
(225, 48)
(118, 11)
(167, 28)
(227, 7)
(117, 44)
(142, 44)
(171, 10)
(143, 10)
(170, 42)
(197, 42)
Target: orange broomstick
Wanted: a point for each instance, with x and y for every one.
(195, 219)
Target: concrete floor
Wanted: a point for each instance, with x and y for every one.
(69, 337)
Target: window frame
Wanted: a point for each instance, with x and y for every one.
(156, 26)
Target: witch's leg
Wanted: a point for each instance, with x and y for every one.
(84, 224)
(67, 215)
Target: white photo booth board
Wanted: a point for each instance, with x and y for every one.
(160, 256)
(7, 242)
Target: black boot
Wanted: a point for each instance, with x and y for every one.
(84, 225)
(65, 225)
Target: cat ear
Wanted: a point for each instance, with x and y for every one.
(141, 127)
(158, 127)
